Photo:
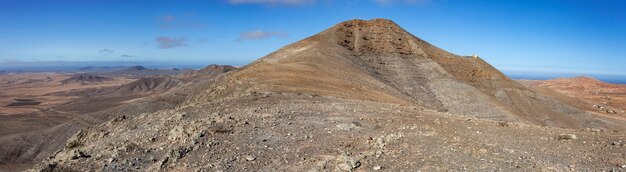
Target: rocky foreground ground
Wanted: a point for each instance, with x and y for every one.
(313, 133)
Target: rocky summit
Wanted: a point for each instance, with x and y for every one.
(359, 96)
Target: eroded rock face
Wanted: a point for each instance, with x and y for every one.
(376, 37)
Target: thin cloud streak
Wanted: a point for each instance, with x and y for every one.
(164, 42)
(105, 51)
(261, 35)
(173, 22)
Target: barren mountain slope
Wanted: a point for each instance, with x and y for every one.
(360, 95)
(378, 61)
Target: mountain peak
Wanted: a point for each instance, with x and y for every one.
(378, 22)
(376, 36)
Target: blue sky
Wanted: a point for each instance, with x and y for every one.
(541, 36)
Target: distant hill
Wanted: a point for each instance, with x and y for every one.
(100, 68)
(581, 83)
(140, 71)
(600, 96)
(85, 79)
(149, 84)
(208, 71)
(135, 68)
(146, 85)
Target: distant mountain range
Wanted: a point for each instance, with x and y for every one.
(88, 66)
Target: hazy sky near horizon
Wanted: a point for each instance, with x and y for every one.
(567, 36)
